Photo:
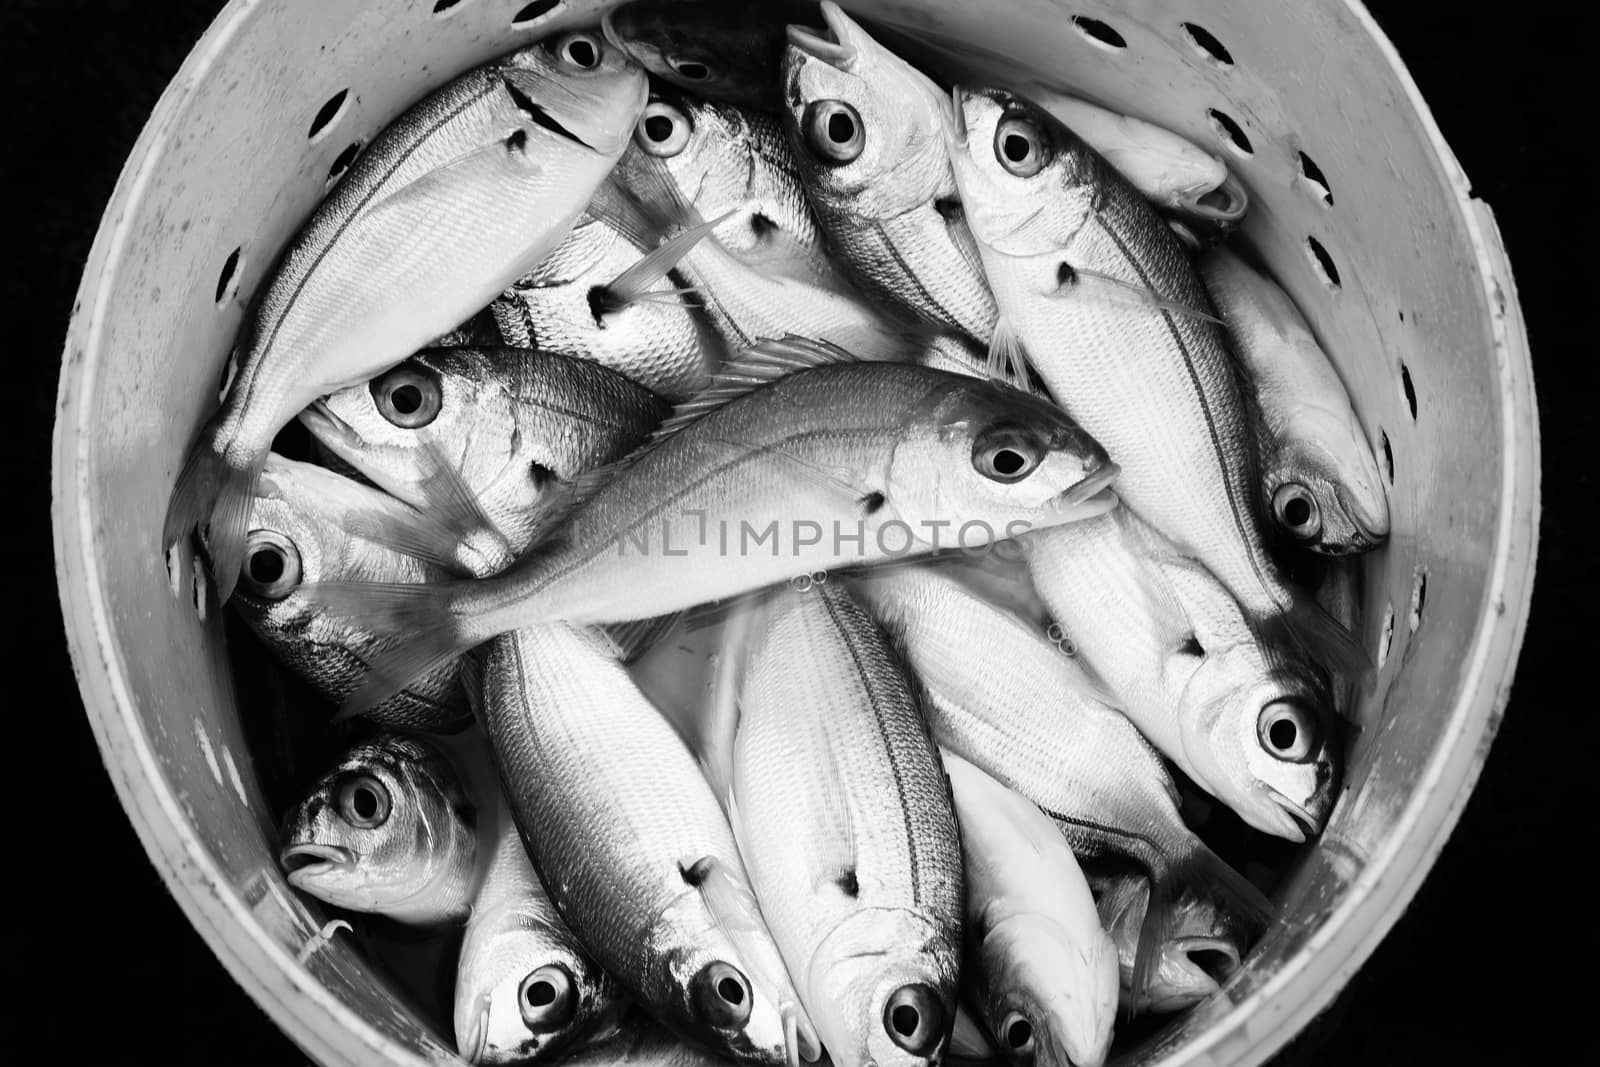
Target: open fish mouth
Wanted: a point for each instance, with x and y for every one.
(1225, 204)
(1095, 488)
(310, 859)
(833, 45)
(1307, 823)
(1207, 959)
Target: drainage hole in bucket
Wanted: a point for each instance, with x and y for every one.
(1323, 261)
(342, 161)
(330, 111)
(1385, 634)
(534, 11)
(1228, 128)
(1099, 33)
(1419, 597)
(1312, 175)
(228, 280)
(1207, 45)
(1411, 391)
(198, 569)
(440, 7)
(1388, 456)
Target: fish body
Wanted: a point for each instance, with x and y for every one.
(1318, 475)
(449, 205)
(1156, 386)
(1004, 698)
(388, 830)
(1172, 172)
(300, 534)
(487, 440)
(868, 134)
(1048, 971)
(525, 988)
(630, 842)
(804, 461)
(1169, 641)
(723, 50)
(845, 819)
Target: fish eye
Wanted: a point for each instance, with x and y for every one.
(1288, 731)
(914, 1019)
(1016, 1034)
(364, 802)
(271, 565)
(690, 69)
(663, 130)
(1295, 509)
(722, 995)
(1007, 454)
(833, 129)
(547, 998)
(581, 50)
(407, 397)
(1020, 146)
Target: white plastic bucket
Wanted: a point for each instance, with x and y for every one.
(1357, 204)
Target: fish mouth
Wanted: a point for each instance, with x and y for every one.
(329, 428)
(1299, 815)
(1094, 488)
(310, 859)
(1227, 203)
(954, 116)
(1370, 533)
(833, 49)
(1208, 960)
(475, 1041)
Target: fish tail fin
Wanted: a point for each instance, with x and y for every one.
(1202, 875)
(416, 624)
(214, 494)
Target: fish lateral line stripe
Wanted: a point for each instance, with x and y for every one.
(945, 314)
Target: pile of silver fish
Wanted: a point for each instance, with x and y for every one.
(780, 529)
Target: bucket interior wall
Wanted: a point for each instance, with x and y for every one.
(1354, 208)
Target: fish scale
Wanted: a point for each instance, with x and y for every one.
(613, 808)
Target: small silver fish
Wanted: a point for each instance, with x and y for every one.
(803, 460)
(632, 845)
(454, 201)
(844, 817)
(388, 830)
(303, 524)
(724, 50)
(525, 989)
(1319, 475)
(868, 134)
(487, 442)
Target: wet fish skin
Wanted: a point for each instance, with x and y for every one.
(525, 989)
(389, 830)
(844, 817)
(1048, 971)
(886, 197)
(1169, 641)
(299, 521)
(721, 50)
(516, 427)
(455, 200)
(1315, 455)
(625, 833)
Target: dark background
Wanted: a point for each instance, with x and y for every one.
(1480, 969)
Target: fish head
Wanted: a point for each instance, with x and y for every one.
(866, 126)
(522, 991)
(1204, 949)
(1027, 183)
(1258, 733)
(380, 829)
(720, 51)
(979, 452)
(881, 988)
(580, 87)
(1048, 999)
(1322, 485)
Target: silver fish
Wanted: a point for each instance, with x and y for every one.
(631, 843)
(1319, 475)
(844, 817)
(1248, 723)
(1099, 298)
(1202, 952)
(724, 50)
(1048, 971)
(486, 442)
(868, 133)
(1003, 697)
(525, 989)
(454, 201)
(302, 531)
(388, 830)
(804, 460)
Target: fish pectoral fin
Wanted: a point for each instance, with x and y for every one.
(507, 157)
(481, 548)
(634, 283)
(1008, 362)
